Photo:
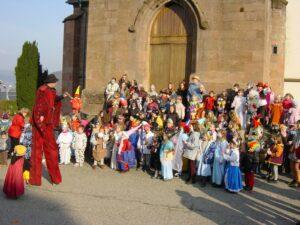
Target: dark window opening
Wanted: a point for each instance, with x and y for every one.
(275, 49)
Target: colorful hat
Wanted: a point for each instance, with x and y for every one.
(5, 116)
(77, 92)
(20, 150)
(195, 77)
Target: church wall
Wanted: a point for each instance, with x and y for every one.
(236, 46)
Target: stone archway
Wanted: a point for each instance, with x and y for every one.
(142, 27)
(172, 45)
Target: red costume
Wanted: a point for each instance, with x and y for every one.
(17, 125)
(47, 105)
(76, 104)
(209, 103)
(14, 182)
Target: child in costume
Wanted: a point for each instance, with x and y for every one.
(195, 104)
(4, 147)
(209, 101)
(76, 102)
(79, 145)
(275, 154)
(75, 122)
(64, 142)
(239, 105)
(144, 145)
(99, 140)
(221, 103)
(219, 162)
(252, 104)
(166, 157)
(276, 109)
(155, 159)
(4, 122)
(233, 177)
(206, 160)
(16, 174)
(251, 159)
(26, 140)
(117, 136)
(181, 137)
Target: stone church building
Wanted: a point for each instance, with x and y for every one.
(162, 41)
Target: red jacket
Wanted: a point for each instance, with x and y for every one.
(209, 103)
(16, 127)
(48, 105)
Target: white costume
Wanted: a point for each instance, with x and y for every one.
(79, 145)
(239, 105)
(64, 141)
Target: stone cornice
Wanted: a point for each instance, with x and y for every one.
(279, 4)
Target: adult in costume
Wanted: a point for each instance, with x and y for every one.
(45, 117)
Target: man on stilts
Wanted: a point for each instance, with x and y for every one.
(45, 118)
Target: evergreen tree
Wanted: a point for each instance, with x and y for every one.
(28, 75)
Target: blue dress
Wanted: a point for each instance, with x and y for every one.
(219, 163)
(233, 176)
(126, 159)
(166, 164)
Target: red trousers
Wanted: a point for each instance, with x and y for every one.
(249, 179)
(192, 165)
(44, 143)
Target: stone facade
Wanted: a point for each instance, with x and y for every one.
(235, 43)
(74, 55)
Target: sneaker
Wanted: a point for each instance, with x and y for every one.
(76, 164)
(94, 167)
(80, 165)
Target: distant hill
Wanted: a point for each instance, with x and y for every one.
(8, 77)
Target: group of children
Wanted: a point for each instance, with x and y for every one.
(210, 137)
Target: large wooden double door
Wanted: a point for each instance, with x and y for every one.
(172, 43)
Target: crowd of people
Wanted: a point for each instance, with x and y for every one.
(211, 137)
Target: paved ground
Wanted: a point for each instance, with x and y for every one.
(88, 197)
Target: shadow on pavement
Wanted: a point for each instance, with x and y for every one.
(227, 208)
(31, 209)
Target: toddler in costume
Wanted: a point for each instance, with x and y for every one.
(4, 147)
(233, 177)
(64, 141)
(79, 145)
(16, 174)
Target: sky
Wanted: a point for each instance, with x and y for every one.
(29, 20)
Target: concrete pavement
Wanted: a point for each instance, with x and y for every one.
(88, 197)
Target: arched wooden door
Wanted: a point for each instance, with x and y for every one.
(172, 50)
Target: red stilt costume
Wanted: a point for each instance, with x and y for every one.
(45, 117)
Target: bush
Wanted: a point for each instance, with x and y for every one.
(8, 106)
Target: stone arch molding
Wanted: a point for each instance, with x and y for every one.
(152, 5)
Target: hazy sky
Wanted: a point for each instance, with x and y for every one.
(29, 20)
